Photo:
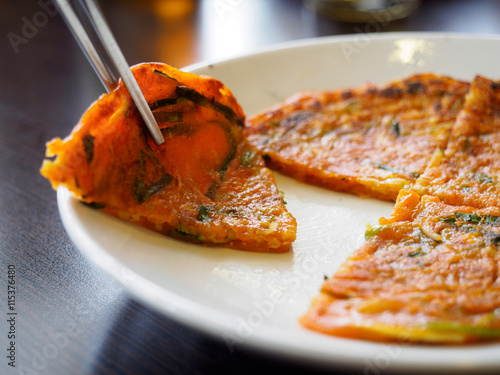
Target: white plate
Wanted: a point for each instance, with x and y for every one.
(254, 300)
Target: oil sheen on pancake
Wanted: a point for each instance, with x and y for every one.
(467, 172)
(205, 184)
(371, 141)
(427, 274)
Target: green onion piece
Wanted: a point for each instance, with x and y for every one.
(415, 253)
(476, 331)
(142, 192)
(396, 128)
(395, 170)
(203, 214)
(468, 228)
(448, 220)
(163, 74)
(178, 233)
(196, 97)
(247, 158)
(457, 106)
(184, 92)
(484, 178)
(372, 230)
(466, 145)
(468, 217)
(88, 146)
(491, 219)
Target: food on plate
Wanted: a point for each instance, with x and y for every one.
(370, 141)
(467, 172)
(429, 273)
(204, 184)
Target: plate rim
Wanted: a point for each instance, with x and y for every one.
(310, 41)
(194, 314)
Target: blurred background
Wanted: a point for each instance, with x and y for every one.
(45, 85)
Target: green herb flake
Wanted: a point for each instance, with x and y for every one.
(182, 233)
(491, 219)
(94, 205)
(186, 93)
(203, 214)
(466, 189)
(143, 192)
(195, 97)
(395, 170)
(325, 277)
(468, 228)
(225, 164)
(88, 146)
(415, 253)
(247, 158)
(448, 220)
(492, 238)
(457, 106)
(373, 230)
(466, 146)
(163, 74)
(162, 103)
(468, 217)
(396, 128)
(283, 199)
(179, 233)
(484, 178)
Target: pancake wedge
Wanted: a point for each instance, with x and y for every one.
(370, 141)
(429, 273)
(205, 184)
(467, 172)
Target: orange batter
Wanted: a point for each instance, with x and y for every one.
(205, 184)
(370, 141)
(429, 274)
(468, 171)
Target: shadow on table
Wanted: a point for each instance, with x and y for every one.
(154, 344)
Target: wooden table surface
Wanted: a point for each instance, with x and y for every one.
(72, 318)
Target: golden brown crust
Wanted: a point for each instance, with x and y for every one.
(205, 184)
(371, 141)
(468, 171)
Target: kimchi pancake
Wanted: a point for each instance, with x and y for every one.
(370, 141)
(204, 184)
(429, 273)
(468, 171)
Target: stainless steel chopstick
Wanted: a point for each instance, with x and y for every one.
(108, 61)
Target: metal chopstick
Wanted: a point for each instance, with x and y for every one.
(108, 60)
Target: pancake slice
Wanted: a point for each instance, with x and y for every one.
(429, 273)
(467, 172)
(370, 141)
(204, 184)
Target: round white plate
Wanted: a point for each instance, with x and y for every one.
(254, 300)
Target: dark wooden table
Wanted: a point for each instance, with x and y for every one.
(72, 318)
